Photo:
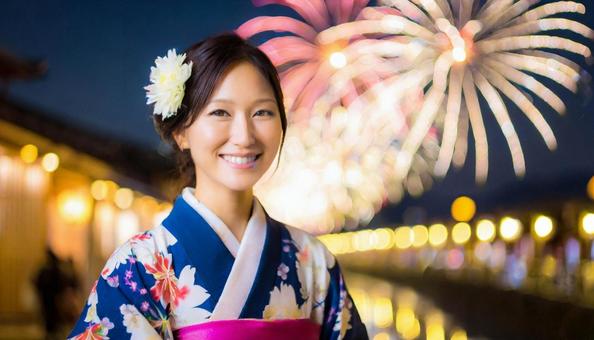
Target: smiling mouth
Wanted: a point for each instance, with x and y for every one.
(241, 160)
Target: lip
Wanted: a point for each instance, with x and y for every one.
(249, 165)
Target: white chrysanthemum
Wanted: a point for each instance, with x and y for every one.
(283, 304)
(136, 324)
(168, 78)
(187, 311)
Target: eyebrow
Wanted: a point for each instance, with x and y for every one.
(261, 100)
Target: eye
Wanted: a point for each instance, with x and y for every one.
(264, 113)
(219, 113)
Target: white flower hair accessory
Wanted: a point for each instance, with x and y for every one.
(168, 78)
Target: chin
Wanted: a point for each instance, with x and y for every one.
(238, 185)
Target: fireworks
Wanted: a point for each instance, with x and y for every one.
(370, 90)
(337, 166)
(309, 61)
(492, 48)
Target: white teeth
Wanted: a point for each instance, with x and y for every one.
(239, 160)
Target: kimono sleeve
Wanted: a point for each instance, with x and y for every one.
(120, 305)
(341, 318)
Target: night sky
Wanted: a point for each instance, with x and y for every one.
(99, 56)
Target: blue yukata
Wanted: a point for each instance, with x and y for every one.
(191, 271)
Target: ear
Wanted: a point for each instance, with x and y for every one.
(181, 140)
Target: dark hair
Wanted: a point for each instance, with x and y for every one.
(211, 58)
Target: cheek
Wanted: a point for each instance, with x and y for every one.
(204, 141)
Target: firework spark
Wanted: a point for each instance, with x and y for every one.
(349, 71)
(307, 63)
(337, 167)
(493, 48)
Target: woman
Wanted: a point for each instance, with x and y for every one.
(219, 267)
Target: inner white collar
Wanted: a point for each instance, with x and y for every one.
(257, 220)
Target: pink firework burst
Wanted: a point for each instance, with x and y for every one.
(308, 62)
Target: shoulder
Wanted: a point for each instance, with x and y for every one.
(142, 247)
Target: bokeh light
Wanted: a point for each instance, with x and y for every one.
(74, 206)
(587, 225)
(461, 233)
(438, 235)
(407, 323)
(99, 190)
(463, 209)
(543, 227)
(29, 153)
(420, 236)
(123, 198)
(403, 237)
(50, 162)
(510, 229)
(382, 312)
(459, 334)
(486, 230)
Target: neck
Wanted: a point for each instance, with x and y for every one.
(232, 207)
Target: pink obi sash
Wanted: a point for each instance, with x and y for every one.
(251, 329)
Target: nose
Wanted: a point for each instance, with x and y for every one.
(242, 131)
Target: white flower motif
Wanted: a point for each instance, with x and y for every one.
(168, 83)
(92, 302)
(119, 257)
(313, 263)
(143, 246)
(187, 312)
(137, 325)
(283, 304)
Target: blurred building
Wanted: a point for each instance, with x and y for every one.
(70, 189)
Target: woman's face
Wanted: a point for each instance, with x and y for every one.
(235, 138)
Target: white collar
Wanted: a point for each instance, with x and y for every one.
(247, 256)
(229, 240)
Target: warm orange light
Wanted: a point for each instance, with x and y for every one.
(29, 153)
(463, 209)
(74, 207)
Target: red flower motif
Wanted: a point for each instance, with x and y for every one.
(166, 283)
(93, 332)
(140, 237)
